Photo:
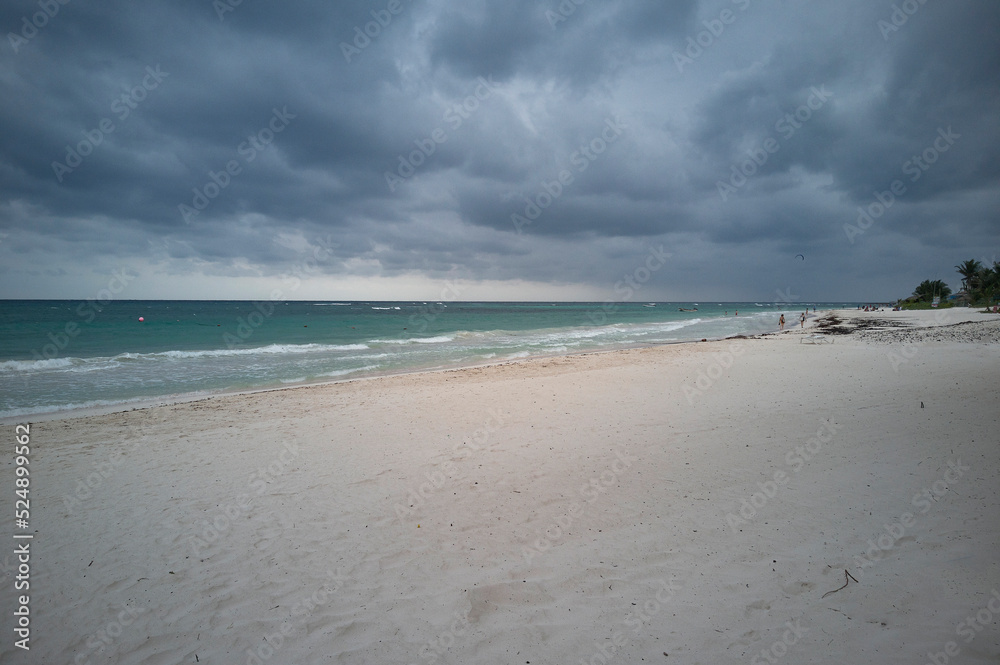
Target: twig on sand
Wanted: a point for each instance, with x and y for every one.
(846, 582)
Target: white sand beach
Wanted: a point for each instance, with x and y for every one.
(680, 504)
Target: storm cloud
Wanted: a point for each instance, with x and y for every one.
(531, 149)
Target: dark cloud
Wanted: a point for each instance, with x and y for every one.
(276, 124)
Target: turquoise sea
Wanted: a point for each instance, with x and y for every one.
(60, 354)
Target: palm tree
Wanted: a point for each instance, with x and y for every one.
(928, 289)
(968, 270)
(987, 283)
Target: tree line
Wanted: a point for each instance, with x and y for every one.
(981, 283)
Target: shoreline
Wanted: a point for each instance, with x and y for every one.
(187, 398)
(184, 398)
(534, 506)
(919, 318)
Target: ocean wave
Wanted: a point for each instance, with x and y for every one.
(344, 372)
(57, 365)
(574, 336)
(73, 364)
(270, 349)
(677, 325)
(330, 374)
(90, 404)
(416, 340)
(35, 365)
(608, 334)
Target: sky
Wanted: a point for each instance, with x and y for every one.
(497, 150)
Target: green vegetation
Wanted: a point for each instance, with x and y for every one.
(980, 288)
(968, 270)
(924, 304)
(983, 283)
(928, 289)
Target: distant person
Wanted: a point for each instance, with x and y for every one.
(802, 320)
(781, 322)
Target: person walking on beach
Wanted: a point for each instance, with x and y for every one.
(781, 322)
(802, 320)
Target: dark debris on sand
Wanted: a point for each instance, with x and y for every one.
(895, 332)
(834, 325)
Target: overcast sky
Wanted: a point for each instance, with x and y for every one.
(501, 149)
